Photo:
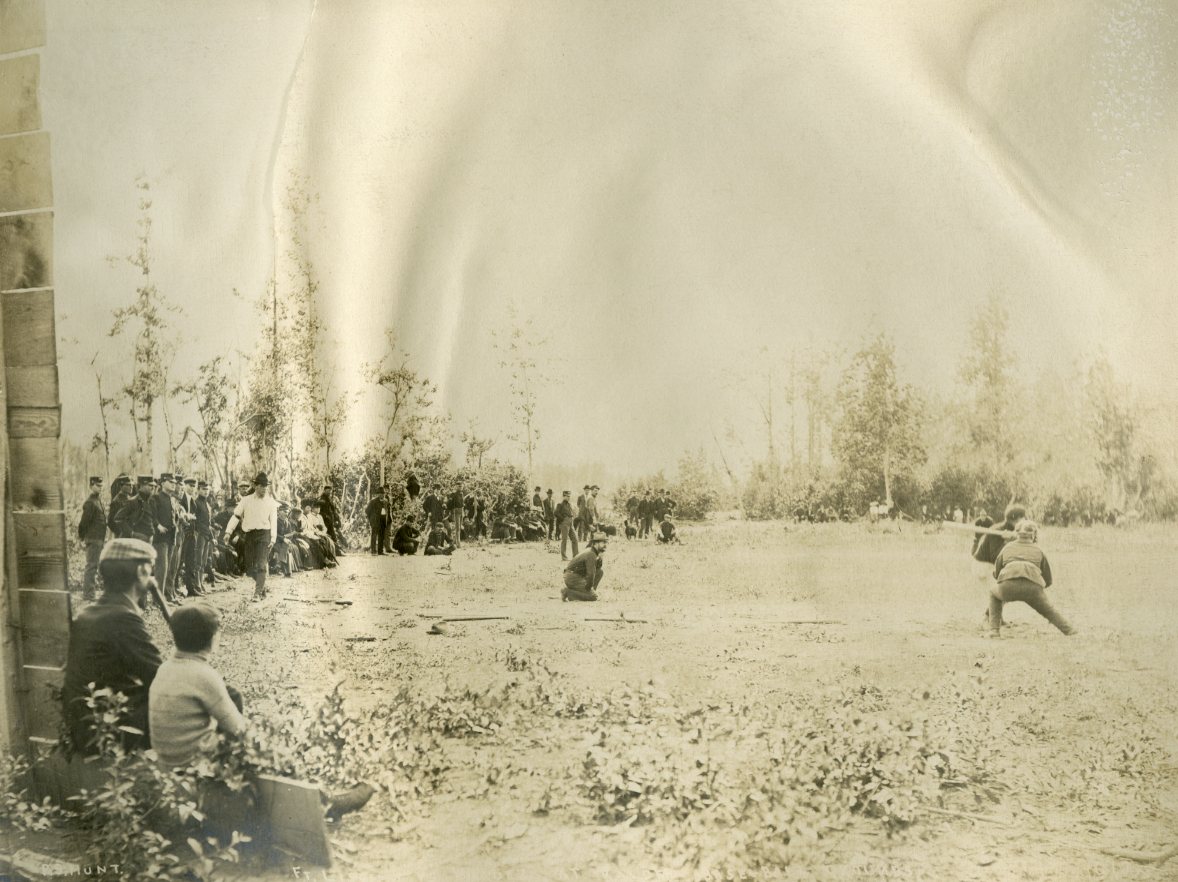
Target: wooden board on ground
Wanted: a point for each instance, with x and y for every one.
(42, 710)
(295, 814)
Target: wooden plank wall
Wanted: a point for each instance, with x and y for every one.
(34, 602)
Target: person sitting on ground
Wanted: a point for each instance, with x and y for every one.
(188, 701)
(284, 557)
(109, 646)
(1022, 573)
(309, 550)
(584, 572)
(406, 538)
(667, 534)
(438, 541)
(314, 526)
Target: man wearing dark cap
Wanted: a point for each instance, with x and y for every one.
(258, 515)
(548, 507)
(121, 492)
(111, 648)
(136, 519)
(92, 532)
(537, 499)
(185, 547)
(165, 533)
(564, 523)
(202, 535)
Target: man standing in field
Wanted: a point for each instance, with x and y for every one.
(645, 514)
(584, 572)
(164, 539)
(377, 512)
(582, 517)
(92, 531)
(202, 531)
(591, 507)
(564, 523)
(548, 507)
(258, 516)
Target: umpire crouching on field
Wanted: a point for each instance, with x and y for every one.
(111, 648)
(584, 572)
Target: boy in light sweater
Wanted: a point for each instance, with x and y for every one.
(189, 702)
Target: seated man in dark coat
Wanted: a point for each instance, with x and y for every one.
(438, 541)
(405, 539)
(111, 648)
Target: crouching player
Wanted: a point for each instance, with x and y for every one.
(1023, 573)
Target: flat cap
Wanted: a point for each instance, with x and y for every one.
(127, 549)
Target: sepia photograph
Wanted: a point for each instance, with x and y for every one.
(766, 410)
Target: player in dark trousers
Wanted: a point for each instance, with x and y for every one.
(1023, 573)
(986, 546)
(584, 572)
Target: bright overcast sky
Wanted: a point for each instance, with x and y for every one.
(665, 187)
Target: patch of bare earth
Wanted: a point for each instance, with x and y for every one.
(766, 703)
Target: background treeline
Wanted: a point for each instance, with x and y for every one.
(842, 429)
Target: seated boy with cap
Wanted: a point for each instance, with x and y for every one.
(189, 701)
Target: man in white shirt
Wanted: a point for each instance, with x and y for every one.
(258, 516)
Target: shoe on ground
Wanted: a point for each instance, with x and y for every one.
(349, 801)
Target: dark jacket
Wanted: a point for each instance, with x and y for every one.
(549, 506)
(112, 516)
(377, 510)
(587, 564)
(137, 518)
(92, 526)
(204, 518)
(412, 486)
(330, 514)
(988, 548)
(406, 535)
(111, 648)
(564, 511)
(165, 516)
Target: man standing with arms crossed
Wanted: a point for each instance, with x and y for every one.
(258, 516)
(203, 534)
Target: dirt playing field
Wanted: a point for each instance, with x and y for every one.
(780, 702)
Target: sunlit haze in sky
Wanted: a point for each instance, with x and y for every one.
(663, 187)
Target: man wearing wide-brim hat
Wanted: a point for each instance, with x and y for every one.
(258, 515)
(584, 572)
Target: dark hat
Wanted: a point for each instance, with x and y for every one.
(282, 505)
(537, 489)
(262, 480)
(586, 487)
(190, 480)
(123, 479)
(565, 493)
(598, 537)
(328, 486)
(202, 485)
(549, 489)
(166, 476)
(94, 479)
(127, 549)
(594, 487)
(146, 479)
